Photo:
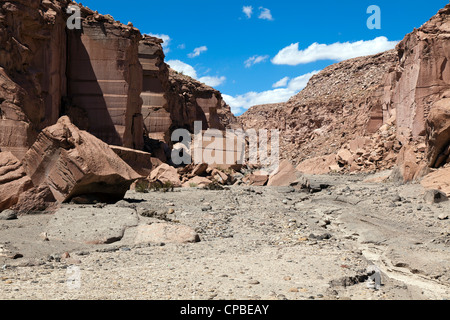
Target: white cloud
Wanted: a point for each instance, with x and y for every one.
(248, 10)
(241, 103)
(165, 38)
(182, 67)
(282, 83)
(265, 14)
(190, 71)
(254, 60)
(213, 81)
(181, 46)
(197, 51)
(291, 55)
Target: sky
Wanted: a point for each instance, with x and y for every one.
(259, 52)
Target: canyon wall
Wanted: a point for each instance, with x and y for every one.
(105, 79)
(372, 113)
(32, 70)
(108, 78)
(341, 103)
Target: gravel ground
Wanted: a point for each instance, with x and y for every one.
(256, 243)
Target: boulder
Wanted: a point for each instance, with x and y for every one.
(37, 200)
(284, 176)
(165, 233)
(434, 196)
(140, 161)
(407, 167)
(344, 157)
(13, 180)
(438, 180)
(318, 165)
(74, 163)
(8, 215)
(257, 180)
(197, 181)
(91, 225)
(200, 169)
(220, 176)
(166, 173)
(438, 133)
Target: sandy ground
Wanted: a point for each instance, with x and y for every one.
(256, 243)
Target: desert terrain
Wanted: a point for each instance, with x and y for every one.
(256, 243)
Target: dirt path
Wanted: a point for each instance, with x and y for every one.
(256, 243)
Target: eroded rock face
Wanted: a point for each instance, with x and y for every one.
(157, 118)
(421, 76)
(13, 180)
(32, 70)
(341, 103)
(190, 100)
(75, 163)
(105, 79)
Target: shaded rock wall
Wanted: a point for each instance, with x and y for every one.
(105, 79)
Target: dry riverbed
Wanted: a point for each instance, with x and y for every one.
(255, 243)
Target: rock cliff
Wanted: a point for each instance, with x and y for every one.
(374, 112)
(107, 77)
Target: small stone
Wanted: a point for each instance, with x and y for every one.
(254, 282)
(171, 211)
(294, 290)
(443, 217)
(65, 255)
(434, 196)
(44, 236)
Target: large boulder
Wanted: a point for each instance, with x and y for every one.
(13, 180)
(74, 163)
(140, 161)
(284, 176)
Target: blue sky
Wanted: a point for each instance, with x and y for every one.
(258, 52)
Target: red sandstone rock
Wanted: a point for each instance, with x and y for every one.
(438, 180)
(140, 161)
(256, 179)
(37, 200)
(284, 176)
(197, 182)
(13, 180)
(166, 173)
(438, 133)
(319, 165)
(75, 163)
